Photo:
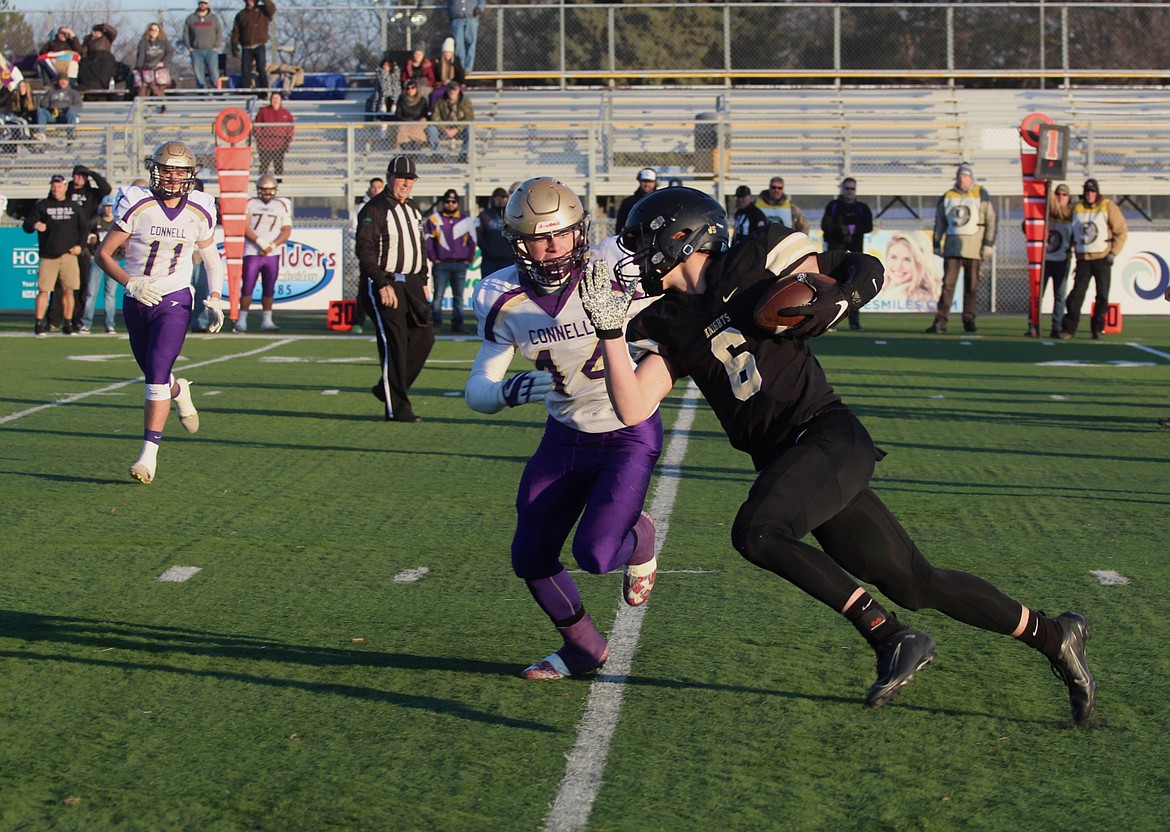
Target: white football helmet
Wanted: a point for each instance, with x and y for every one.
(539, 209)
(172, 169)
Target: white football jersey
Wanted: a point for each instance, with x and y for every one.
(554, 333)
(163, 239)
(266, 219)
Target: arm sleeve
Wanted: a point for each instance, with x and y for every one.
(484, 391)
(214, 266)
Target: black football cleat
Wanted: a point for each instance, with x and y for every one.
(1071, 667)
(898, 659)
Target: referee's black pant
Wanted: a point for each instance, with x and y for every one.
(405, 336)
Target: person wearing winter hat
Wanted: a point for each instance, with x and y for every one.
(449, 237)
(464, 17)
(1099, 232)
(964, 236)
(448, 69)
(647, 184)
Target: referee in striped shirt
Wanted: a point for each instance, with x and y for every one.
(393, 288)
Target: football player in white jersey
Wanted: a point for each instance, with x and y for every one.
(160, 227)
(588, 464)
(269, 225)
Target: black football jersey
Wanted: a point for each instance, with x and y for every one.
(759, 384)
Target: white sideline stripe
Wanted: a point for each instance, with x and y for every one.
(1107, 577)
(1150, 350)
(586, 761)
(12, 417)
(178, 574)
(409, 576)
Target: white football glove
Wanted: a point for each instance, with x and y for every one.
(526, 387)
(606, 310)
(215, 307)
(263, 244)
(140, 289)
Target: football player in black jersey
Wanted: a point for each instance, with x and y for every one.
(814, 457)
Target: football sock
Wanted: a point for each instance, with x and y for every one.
(643, 527)
(266, 317)
(243, 321)
(584, 646)
(871, 619)
(149, 453)
(557, 596)
(1042, 633)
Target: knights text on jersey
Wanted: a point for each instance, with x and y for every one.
(163, 239)
(554, 333)
(267, 220)
(760, 385)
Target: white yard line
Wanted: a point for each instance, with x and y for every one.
(1150, 350)
(586, 761)
(12, 417)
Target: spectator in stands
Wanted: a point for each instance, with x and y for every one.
(421, 69)
(464, 17)
(495, 250)
(59, 104)
(449, 238)
(647, 184)
(453, 110)
(274, 133)
(412, 109)
(845, 223)
(387, 90)
(777, 207)
(1099, 233)
(202, 35)
(748, 218)
(17, 111)
(964, 236)
(98, 65)
(448, 70)
(153, 62)
(63, 40)
(61, 230)
(250, 41)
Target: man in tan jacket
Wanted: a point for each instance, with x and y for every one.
(1099, 233)
(964, 236)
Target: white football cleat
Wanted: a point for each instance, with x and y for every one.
(547, 669)
(142, 472)
(269, 328)
(188, 415)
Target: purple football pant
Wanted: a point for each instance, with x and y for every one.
(601, 478)
(264, 267)
(157, 333)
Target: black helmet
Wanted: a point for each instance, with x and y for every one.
(664, 229)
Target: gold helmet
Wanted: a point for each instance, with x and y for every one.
(266, 187)
(168, 159)
(540, 208)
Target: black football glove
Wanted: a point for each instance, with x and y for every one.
(829, 305)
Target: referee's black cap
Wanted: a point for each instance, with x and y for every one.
(402, 167)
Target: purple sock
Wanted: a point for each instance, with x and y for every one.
(154, 436)
(585, 648)
(557, 595)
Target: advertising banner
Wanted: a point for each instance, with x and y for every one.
(19, 260)
(1141, 275)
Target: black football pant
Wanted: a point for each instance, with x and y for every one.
(1101, 272)
(819, 483)
(405, 337)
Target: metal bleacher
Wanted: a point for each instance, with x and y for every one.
(903, 141)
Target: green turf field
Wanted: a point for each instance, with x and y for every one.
(313, 677)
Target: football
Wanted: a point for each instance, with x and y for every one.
(791, 290)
